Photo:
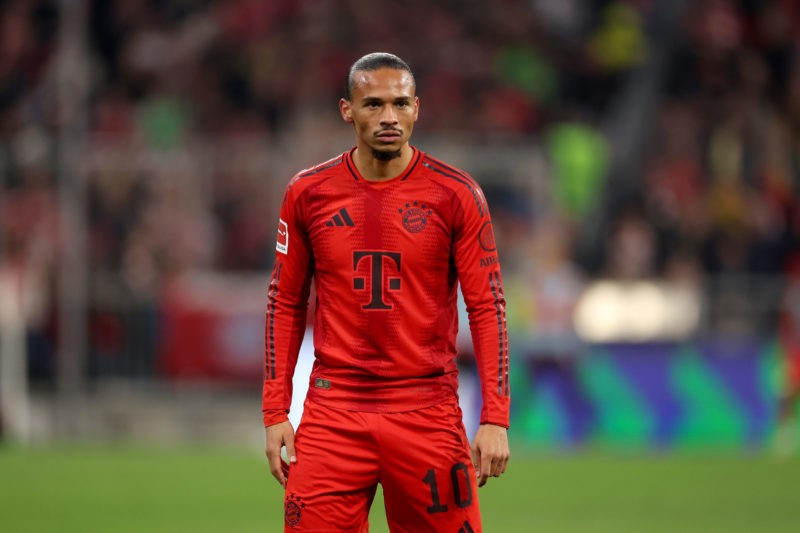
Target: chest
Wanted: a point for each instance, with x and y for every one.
(358, 225)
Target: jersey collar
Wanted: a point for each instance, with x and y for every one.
(416, 156)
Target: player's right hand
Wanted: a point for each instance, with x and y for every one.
(490, 452)
(278, 436)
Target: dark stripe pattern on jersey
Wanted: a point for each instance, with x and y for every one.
(349, 162)
(269, 369)
(502, 369)
(316, 170)
(412, 166)
(455, 174)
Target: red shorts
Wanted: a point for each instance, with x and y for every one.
(421, 459)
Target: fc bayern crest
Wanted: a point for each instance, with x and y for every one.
(293, 510)
(415, 216)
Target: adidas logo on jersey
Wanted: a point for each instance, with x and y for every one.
(342, 218)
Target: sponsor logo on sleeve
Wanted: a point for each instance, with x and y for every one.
(283, 237)
(486, 237)
(489, 260)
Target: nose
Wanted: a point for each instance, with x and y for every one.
(388, 115)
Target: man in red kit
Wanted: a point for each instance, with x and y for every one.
(386, 232)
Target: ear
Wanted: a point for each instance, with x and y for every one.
(416, 108)
(346, 109)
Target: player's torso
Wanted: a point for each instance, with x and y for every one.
(384, 274)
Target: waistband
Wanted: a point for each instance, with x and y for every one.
(376, 394)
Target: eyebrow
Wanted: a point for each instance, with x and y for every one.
(378, 100)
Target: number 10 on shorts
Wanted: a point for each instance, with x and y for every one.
(462, 488)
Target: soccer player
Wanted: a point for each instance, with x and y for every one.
(386, 232)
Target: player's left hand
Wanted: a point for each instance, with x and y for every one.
(490, 452)
(278, 436)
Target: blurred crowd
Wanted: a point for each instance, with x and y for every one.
(721, 180)
(193, 77)
(198, 111)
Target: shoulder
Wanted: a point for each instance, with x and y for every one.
(316, 174)
(456, 180)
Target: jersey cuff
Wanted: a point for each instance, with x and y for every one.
(495, 423)
(275, 416)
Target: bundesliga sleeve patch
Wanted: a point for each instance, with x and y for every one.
(283, 237)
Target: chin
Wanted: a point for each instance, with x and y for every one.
(386, 154)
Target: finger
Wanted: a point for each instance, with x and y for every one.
(476, 462)
(278, 472)
(485, 470)
(499, 464)
(285, 469)
(276, 468)
(496, 467)
(504, 464)
(274, 459)
(290, 453)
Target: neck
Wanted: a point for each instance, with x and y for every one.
(374, 168)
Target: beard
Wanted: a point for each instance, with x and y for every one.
(385, 155)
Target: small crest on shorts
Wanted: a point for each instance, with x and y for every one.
(322, 383)
(293, 510)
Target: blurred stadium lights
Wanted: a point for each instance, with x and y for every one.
(637, 311)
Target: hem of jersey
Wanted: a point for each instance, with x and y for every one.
(369, 406)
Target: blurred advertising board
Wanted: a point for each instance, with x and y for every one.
(212, 328)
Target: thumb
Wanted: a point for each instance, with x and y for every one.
(290, 453)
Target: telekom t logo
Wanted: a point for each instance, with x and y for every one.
(375, 279)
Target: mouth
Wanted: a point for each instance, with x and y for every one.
(388, 135)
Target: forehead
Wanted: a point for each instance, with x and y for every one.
(383, 82)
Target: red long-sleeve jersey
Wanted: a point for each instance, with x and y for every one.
(386, 258)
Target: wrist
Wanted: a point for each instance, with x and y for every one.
(274, 416)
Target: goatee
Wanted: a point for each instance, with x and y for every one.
(382, 155)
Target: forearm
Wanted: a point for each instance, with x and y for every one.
(285, 327)
(490, 339)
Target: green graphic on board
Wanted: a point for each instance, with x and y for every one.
(710, 416)
(621, 417)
